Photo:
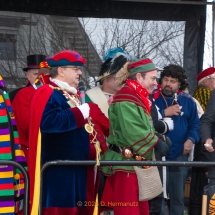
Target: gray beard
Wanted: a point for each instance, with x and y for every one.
(168, 92)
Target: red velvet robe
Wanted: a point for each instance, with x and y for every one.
(21, 108)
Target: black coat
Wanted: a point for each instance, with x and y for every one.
(199, 179)
(207, 129)
(159, 125)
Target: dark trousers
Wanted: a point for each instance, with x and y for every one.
(198, 181)
(155, 205)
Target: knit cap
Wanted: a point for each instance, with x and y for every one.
(141, 66)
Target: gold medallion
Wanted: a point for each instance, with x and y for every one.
(88, 128)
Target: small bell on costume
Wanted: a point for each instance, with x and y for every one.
(127, 153)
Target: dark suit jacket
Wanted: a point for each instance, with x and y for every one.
(159, 125)
(207, 128)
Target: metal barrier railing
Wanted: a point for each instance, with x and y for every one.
(118, 163)
(22, 169)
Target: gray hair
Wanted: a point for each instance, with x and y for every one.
(53, 72)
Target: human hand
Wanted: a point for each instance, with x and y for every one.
(85, 110)
(188, 145)
(208, 145)
(172, 110)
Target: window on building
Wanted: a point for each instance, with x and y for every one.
(7, 47)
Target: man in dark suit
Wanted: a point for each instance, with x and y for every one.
(207, 127)
(206, 83)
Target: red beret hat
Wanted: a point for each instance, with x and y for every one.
(205, 74)
(66, 58)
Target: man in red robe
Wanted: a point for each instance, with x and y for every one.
(56, 112)
(21, 99)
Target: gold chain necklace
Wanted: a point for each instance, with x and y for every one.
(166, 101)
(89, 127)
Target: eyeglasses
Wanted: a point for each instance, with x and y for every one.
(76, 69)
(170, 81)
(153, 78)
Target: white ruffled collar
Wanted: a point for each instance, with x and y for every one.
(64, 85)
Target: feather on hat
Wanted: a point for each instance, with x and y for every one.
(112, 65)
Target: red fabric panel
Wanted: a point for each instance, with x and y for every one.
(21, 108)
(99, 118)
(60, 211)
(101, 125)
(78, 117)
(20, 213)
(121, 194)
(38, 104)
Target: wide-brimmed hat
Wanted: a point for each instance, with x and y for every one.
(205, 74)
(33, 61)
(115, 61)
(66, 58)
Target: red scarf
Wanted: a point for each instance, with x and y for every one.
(142, 92)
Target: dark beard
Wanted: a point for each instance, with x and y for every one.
(168, 93)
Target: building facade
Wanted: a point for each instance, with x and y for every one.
(22, 34)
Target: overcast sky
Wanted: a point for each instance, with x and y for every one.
(208, 39)
(97, 25)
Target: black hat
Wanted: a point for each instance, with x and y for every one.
(33, 61)
(118, 62)
(105, 70)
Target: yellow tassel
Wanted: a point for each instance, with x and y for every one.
(96, 210)
(98, 151)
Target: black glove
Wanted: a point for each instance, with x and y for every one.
(162, 147)
(164, 139)
(168, 141)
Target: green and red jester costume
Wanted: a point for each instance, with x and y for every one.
(130, 127)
